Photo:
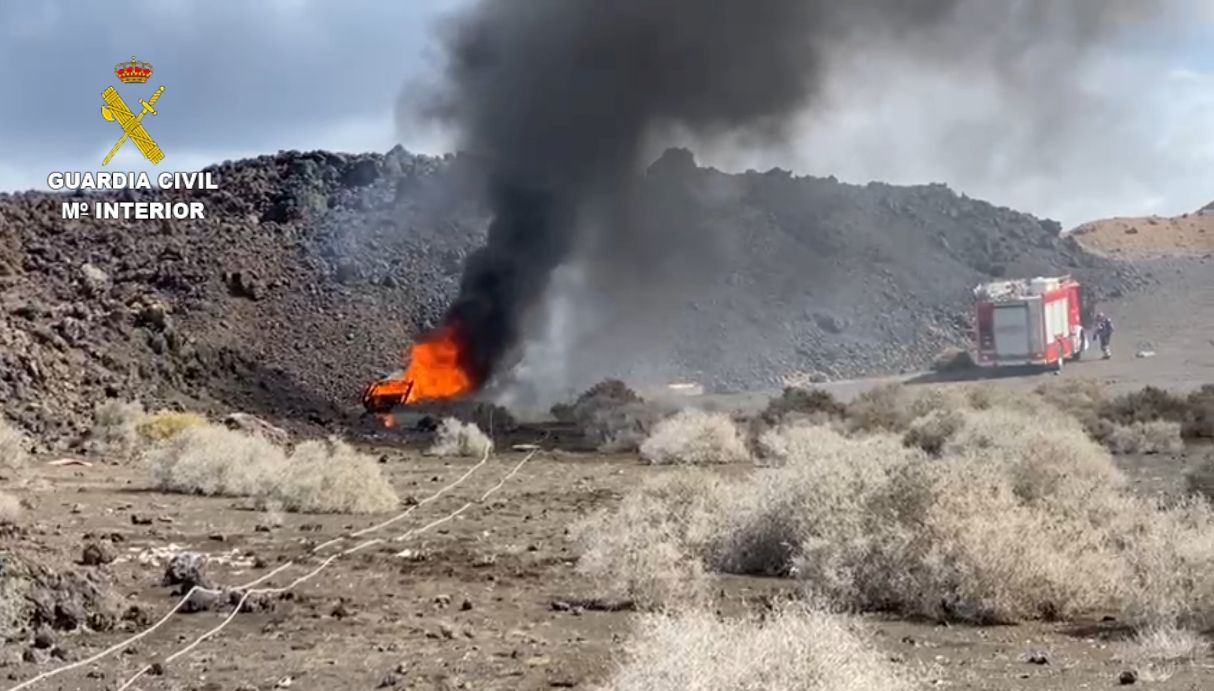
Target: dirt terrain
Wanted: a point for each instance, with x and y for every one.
(489, 600)
(1189, 234)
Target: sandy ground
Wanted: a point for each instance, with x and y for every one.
(1151, 236)
(489, 599)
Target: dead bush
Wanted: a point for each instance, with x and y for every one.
(319, 476)
(214, 460)
(893, 407)
(797, 401)
(163, 424)
(1200, 420)
(821, 489)
(1170, 558)
(1016, 513)
(14, 449)
(115, 430)
(1162, 645)
(1145, 405)
(932, 431)
(795, 647)
(695, 437)
(611, 415)
(953, 360)
(330, 476)
(10, 509)
(1200, 478)
(457, 438)
(1157, 436)
(650, 549)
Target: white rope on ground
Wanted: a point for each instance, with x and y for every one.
(452, 516)
(323, 565)
(121, 645)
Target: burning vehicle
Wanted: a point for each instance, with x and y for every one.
(435, 370)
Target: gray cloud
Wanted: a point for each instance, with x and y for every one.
(239, 76)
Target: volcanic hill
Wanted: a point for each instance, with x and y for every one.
(313, 271)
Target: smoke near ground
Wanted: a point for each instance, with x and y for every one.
(565, 99)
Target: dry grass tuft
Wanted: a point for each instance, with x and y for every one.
(695, 437)
(1156, 436)
(794, 648)
(10, 509)
(650, 550)
(318, 477)
(457, 438)
(332, 477)
(163, 424)
(14, 449)
(1167, 644)
(213, 460)
(116, 429)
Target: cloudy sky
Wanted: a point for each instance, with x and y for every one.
(246, 78)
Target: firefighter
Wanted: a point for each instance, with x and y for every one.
(1104, 331)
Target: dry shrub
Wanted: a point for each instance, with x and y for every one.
(319, 476)
(797, 401)
(611, 415)
(332, 477)
(1155, 654)
(214, 460)
(1018, 515)
(820, 491)
(650, 549)
(1170, 558)
(695, 437)
(10, 509)
(457, 438)
(14, 449)
(932, 431)
(795, 647)
(1200, 478)
(163, 424)
(1166, 644)
(1194, 412)
(893, 407)
(115, 430)
(1157, 436)
(953, 360)
(1200, 420)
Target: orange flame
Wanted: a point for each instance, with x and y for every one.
(435, 368)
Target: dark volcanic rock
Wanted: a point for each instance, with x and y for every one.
(313, 271)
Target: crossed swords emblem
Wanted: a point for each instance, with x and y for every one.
(132, 127)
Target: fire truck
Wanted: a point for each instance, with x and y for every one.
(1030, 321)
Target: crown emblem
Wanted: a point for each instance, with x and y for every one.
(133, 72)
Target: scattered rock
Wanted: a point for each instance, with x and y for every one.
(251, 424)
(97, 554)
(187, 570)
(1128, 677)
(1038, 658)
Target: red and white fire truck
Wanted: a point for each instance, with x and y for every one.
(1031, 321)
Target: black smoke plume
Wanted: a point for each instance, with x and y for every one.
(562, 98)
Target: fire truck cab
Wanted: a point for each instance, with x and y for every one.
(1032, 321)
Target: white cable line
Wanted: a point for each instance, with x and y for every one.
(275, 591)
(219, 591)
